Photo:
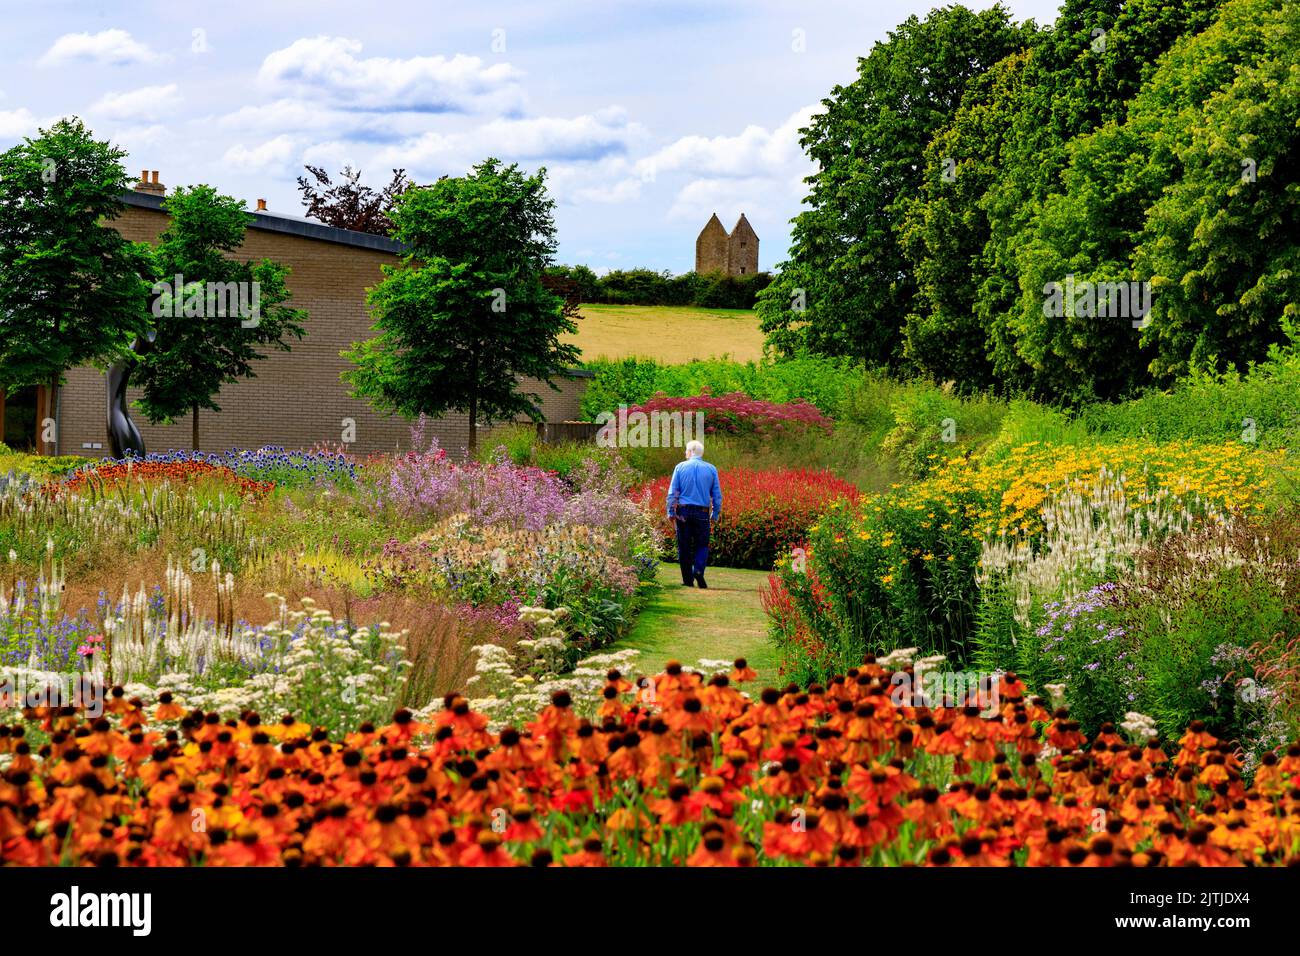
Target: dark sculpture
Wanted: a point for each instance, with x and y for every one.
(123, 437)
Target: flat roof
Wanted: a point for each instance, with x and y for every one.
(289, 225)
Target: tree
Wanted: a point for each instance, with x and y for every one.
(945, 232)
(214, 314)
(72, 290)
(466, 313)
(349, 204)
(848, 283)
(1080, 77)
(1220, 245)
(1161, 197)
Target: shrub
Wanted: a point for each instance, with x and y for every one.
(105, 475)
(1261, 406)
(38, 467)
(931, 424)
(900, 569)
(737, 414)
(823, 382)
(647, 287)
(764, 513)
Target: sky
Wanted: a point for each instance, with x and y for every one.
(647, 116)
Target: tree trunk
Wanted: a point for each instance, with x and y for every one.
(194, 428)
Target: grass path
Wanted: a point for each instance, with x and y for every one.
(722, 623)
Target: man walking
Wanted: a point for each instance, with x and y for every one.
(694, 497)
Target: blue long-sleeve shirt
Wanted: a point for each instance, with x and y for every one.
(695, 482)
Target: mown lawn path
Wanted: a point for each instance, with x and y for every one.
(687, 624)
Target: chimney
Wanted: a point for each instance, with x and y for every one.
(150, 186)
(261, 205)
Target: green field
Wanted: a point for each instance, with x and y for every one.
(669, 333)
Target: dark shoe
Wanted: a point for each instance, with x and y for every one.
(699, 582)
(687, 582)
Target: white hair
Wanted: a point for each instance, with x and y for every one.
(695, 449)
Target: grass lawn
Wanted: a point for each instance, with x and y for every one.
(722, 623)
(669, 333)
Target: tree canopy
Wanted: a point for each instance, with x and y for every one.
(1147, 145)
(214, 314)
(72, 289)
(467, 313)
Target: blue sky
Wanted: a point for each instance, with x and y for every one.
(648, 116)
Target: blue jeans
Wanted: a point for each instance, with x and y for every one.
(692, 540)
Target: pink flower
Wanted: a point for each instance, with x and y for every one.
(85, 650)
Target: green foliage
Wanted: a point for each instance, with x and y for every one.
(825, 382)
(586, 283)
(523, 447)
(945, 231)
(195, 355)
(848, 282)
(890, 577)
(39, 467)
(466, 314)
(1145, 142)
(1261, 406)
(1219, 243)
(647, 287)
(73, 290)
(931, 424)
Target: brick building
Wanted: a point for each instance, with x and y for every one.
(297, 398)
(734, 253)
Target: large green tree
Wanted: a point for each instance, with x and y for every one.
(1080, 76)
(947, 228)
(214, 314)
(848, 282)
(72, 290)
(1193, 191)
(466, 313)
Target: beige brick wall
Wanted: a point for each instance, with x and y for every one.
(297, 398)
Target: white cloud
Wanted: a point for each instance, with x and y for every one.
(577, 139)
(274, 152)
(281, 114)
(17, 123)
(148, 102)
(755, 151)
(114, 47)
(729, 197)
(329, 68)
(134, 139)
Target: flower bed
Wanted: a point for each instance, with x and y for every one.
(969, 564)
(764, 513)
(594, 573)
(105, 475)
(682, 771)
(737, 414)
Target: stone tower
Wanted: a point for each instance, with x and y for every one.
(734, 253)
(742, 249)
(711, 247)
